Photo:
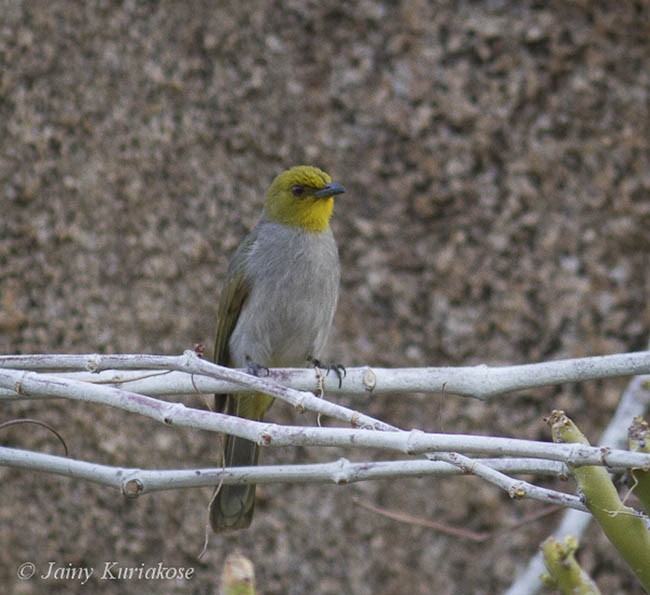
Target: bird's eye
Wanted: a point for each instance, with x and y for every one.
(297, 190)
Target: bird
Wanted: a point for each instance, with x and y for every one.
(276, 310)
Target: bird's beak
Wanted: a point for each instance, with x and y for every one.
(330, 190)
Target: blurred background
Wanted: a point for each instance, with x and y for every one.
(497, 160)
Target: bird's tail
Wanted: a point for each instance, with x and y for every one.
(232, 506)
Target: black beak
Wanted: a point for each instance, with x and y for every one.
(331, 189)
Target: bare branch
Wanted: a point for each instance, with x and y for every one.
(481, 381)
(103, 379)
(341, 471)
(189, 363)
(135, 482)
(268, 434)
(514, 488)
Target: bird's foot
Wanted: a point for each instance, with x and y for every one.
(338, 369)
(255, 369)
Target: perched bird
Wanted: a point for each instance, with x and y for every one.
(276, 309)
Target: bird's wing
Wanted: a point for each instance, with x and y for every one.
(233, 297)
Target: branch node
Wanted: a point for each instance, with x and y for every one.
(517, 490)
(299, 406)
(411, 442)
(93, 365)
(604, 452)
(189, 356)
(369, 379)
(467, 469)
(132, 488)
(342, 473)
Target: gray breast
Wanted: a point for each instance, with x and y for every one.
(294, 279)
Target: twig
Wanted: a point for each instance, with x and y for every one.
(36, 422)
(514, 488)
(409, 519)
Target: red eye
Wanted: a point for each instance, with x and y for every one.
(297, 190)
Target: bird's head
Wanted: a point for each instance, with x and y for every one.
(302, 197)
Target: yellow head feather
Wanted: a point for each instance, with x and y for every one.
(302, 197)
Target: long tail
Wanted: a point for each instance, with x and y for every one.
(233, 505)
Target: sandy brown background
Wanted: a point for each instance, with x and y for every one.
(497, 160)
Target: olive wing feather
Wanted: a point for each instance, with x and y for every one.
(233, 298)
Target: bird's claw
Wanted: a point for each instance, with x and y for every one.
(338, 369)
(254, 369)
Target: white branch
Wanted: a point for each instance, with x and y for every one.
(341, 471)
(190, 363)
(268, 434)
(481, 381)
(102, 379)
(514, 488)
(135, 482)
